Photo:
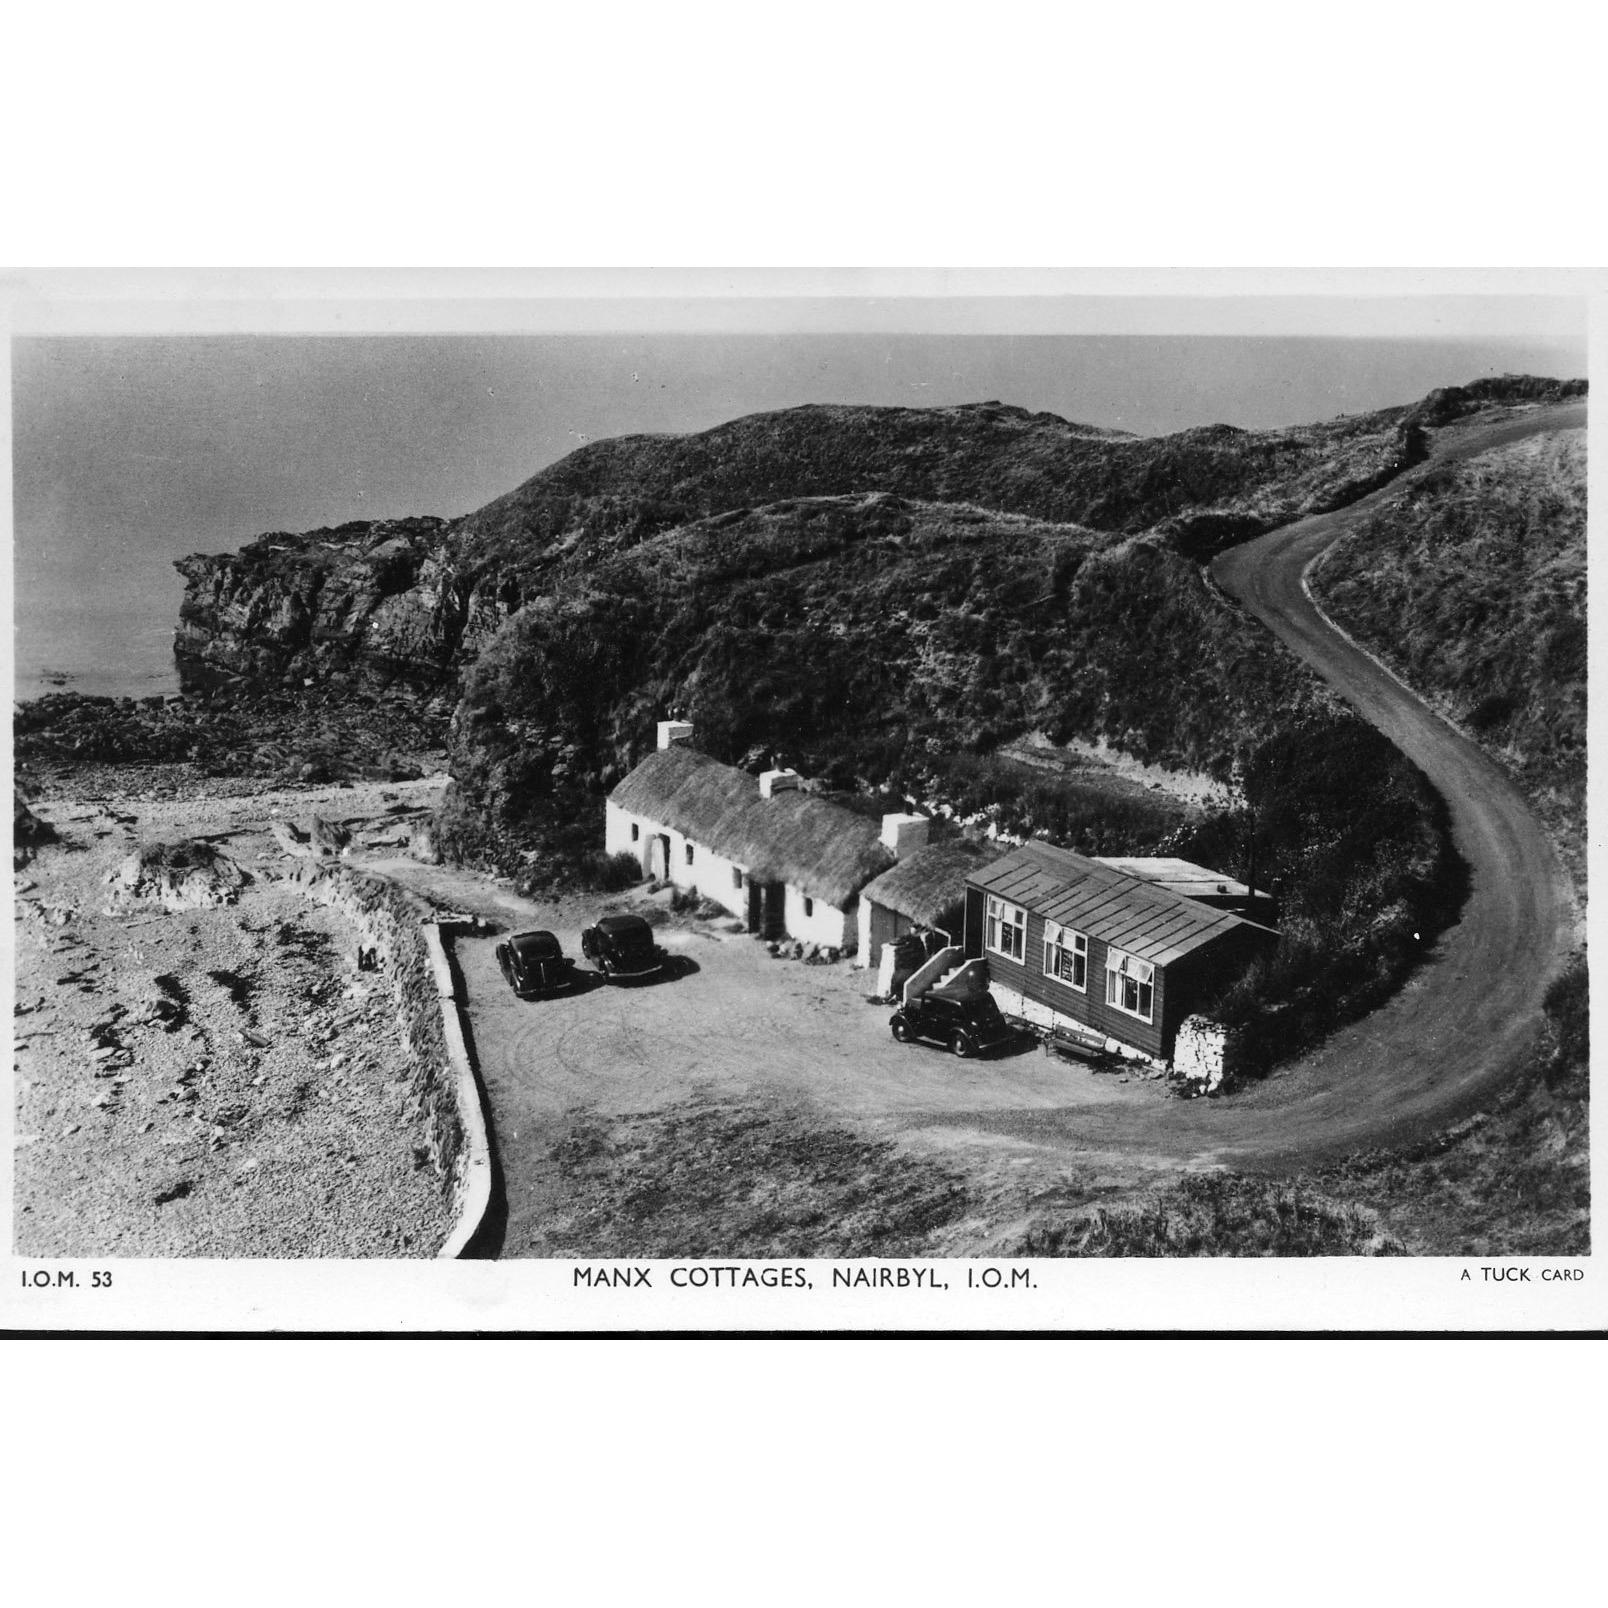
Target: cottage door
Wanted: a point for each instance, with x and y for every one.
(659, 857)
(775, 910)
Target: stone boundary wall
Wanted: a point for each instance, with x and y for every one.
(474, 1173)
(401, 931)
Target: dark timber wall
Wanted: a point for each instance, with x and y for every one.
(1185, 986)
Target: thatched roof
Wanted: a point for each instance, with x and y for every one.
(929, 882)
(827, 852)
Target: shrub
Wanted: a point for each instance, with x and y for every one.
(1216, 1215)
(609, 873)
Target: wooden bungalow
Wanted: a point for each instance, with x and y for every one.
(1072, 943)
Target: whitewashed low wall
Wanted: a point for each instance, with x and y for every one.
(925, 975)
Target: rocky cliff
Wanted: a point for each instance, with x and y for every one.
(378, 598)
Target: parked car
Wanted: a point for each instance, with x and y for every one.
(966, 1024)
(622, 947)
(535, 963)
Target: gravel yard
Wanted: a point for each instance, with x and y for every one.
(748, 1105)
(208, 1081)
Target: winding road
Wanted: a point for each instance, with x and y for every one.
(1471, 1010)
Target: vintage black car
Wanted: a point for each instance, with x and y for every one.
(622, 947)
(534, 964)
(967, 1024)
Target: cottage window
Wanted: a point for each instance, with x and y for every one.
(636, 831)
(809, 905)
(1066, 956)
(736, 876)
(1007, 929)
(1130, 984)
(689, 854)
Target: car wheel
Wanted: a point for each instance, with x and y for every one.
(901, 1029)
(962, 1046)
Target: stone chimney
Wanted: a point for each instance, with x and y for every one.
(773, 782)
(672, 732)
(904, 834)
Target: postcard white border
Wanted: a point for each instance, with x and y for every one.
(1223, 1295)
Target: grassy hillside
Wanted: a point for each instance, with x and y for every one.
(612, 494)
(1472, 585)
(866, 638)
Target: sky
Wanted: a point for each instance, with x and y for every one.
(132, 450)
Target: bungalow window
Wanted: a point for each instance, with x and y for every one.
(636, 831)
(809, 905)
(736, 876)
(1130, 985)
(689, 854)
(1066, 956)
(1007, 929)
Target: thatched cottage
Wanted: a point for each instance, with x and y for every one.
(789, 864)
(924, 892)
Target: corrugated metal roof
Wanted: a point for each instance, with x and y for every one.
(1125, 911)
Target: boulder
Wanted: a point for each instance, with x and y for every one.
(187, 875)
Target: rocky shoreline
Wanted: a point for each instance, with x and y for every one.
(225, 740)
(204, 1065)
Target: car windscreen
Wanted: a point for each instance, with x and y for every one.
(536, 946)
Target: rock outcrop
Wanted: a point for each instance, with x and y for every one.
(188, 875)
(377, 600)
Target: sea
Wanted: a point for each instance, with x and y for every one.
(129, 452)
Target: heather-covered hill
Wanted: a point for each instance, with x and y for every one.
(860, 634)
(618, 492)
(415, 600)
(1471, 584)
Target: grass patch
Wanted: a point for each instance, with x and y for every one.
(1513, 1180)
(707, 1180)
(1217, 1215)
